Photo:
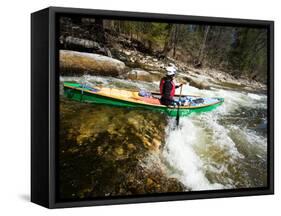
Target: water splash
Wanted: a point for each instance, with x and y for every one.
(207, 152)
(180, 154)
(110, 82)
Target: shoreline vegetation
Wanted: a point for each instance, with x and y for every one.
(204, 55)
(107, 151)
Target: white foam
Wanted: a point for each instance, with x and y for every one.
(110, 82)
(253, 141)
(232, 99)
(179, 152)
(220, 135)
(254, 96)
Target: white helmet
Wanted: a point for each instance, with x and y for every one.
(172, 65)
(171, 71)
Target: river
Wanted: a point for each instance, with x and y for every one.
(222, 149)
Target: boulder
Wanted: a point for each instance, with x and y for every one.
(83, 43)
(197, 83)
(142, 75)
(138, 74)
(72, 62)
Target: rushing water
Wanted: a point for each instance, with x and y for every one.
(225, 148)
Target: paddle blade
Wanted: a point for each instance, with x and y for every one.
(178, 117)
(178, 111)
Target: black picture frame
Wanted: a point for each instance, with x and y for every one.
(45, 96)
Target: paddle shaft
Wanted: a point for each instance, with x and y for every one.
(178, 111)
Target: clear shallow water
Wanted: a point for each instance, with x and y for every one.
(225, 148)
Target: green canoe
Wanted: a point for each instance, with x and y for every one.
(125, 98)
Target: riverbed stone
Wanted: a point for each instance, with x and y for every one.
(105, 152)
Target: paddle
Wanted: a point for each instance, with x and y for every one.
(178, 110)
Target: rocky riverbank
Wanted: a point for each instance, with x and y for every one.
(127, 62)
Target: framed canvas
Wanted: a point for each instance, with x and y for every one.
(138, 107)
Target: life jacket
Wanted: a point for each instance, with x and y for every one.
(167, 88)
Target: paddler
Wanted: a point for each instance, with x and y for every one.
(168, 86)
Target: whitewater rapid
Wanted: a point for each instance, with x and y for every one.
(220, 149)
(207, 153)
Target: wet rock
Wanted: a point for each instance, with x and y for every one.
(128, 53)
(72, 62)
(119, 151)
(201, 84)
(103, 150)
(142, 75)
(131, 146)
(138, 74)
(149, 182)
(156, 143)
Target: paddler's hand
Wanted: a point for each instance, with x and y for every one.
(179, 85)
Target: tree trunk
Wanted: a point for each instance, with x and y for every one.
(99, 30)
(168, 40)
(203, 45)
(175, 39)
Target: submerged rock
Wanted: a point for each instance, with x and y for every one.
(103, 150)
(72, 62)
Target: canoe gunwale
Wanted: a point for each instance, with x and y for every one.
(142, 102)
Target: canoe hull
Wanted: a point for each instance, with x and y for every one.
(78, 94)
